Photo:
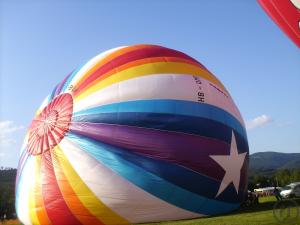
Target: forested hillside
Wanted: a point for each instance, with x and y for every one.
(267, 163)
(7, 192)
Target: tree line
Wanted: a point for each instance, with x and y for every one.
(7, 193)
(280, 178)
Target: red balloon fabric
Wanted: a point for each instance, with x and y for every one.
(286, 13)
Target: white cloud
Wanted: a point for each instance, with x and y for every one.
(7, 128)
(258, 122)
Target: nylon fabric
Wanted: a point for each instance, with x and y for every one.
(137, 134)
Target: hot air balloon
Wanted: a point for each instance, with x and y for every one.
(286, 14)
(137, 134)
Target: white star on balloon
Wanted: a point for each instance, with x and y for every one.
(232, 164)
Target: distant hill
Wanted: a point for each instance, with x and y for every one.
(267, 163)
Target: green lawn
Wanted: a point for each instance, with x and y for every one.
(261, 214)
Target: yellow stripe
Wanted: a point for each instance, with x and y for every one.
(151, 68)
(70, 197)
(86, 196)
(32, 204)
(112, 55)
(38, 112)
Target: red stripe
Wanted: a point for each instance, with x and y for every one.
(56, 207)
(155, 51)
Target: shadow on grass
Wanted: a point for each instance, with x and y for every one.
(263, 206)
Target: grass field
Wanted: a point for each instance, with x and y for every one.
(10, 222)
(261, 214)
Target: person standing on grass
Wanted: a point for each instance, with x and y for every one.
(276, 192)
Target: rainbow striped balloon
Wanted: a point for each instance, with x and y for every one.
(137, 134)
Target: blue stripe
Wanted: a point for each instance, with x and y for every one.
(143, 172)
(70, 78)
(181, 176)
(174, 107)
(53, 92)
(178, 123)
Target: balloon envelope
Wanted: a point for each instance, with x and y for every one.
(137, 134)
(286, 14)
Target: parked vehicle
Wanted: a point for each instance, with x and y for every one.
(266, 191)
(291, 190)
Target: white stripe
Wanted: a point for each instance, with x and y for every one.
(124, 198)
(24, 144)
(160, 86)
(23, 190)
(89, 65)
(43, 105)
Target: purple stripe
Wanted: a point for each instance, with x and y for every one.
(59, 87)
(190, 151)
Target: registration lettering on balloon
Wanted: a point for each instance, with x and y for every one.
(200, 93)
(72, 88)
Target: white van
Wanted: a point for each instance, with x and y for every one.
(291, 190)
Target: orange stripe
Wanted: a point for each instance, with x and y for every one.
(133, 64)
(39, 202)
(110, 57)
(73, 202)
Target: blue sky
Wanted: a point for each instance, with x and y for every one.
(42, 41)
